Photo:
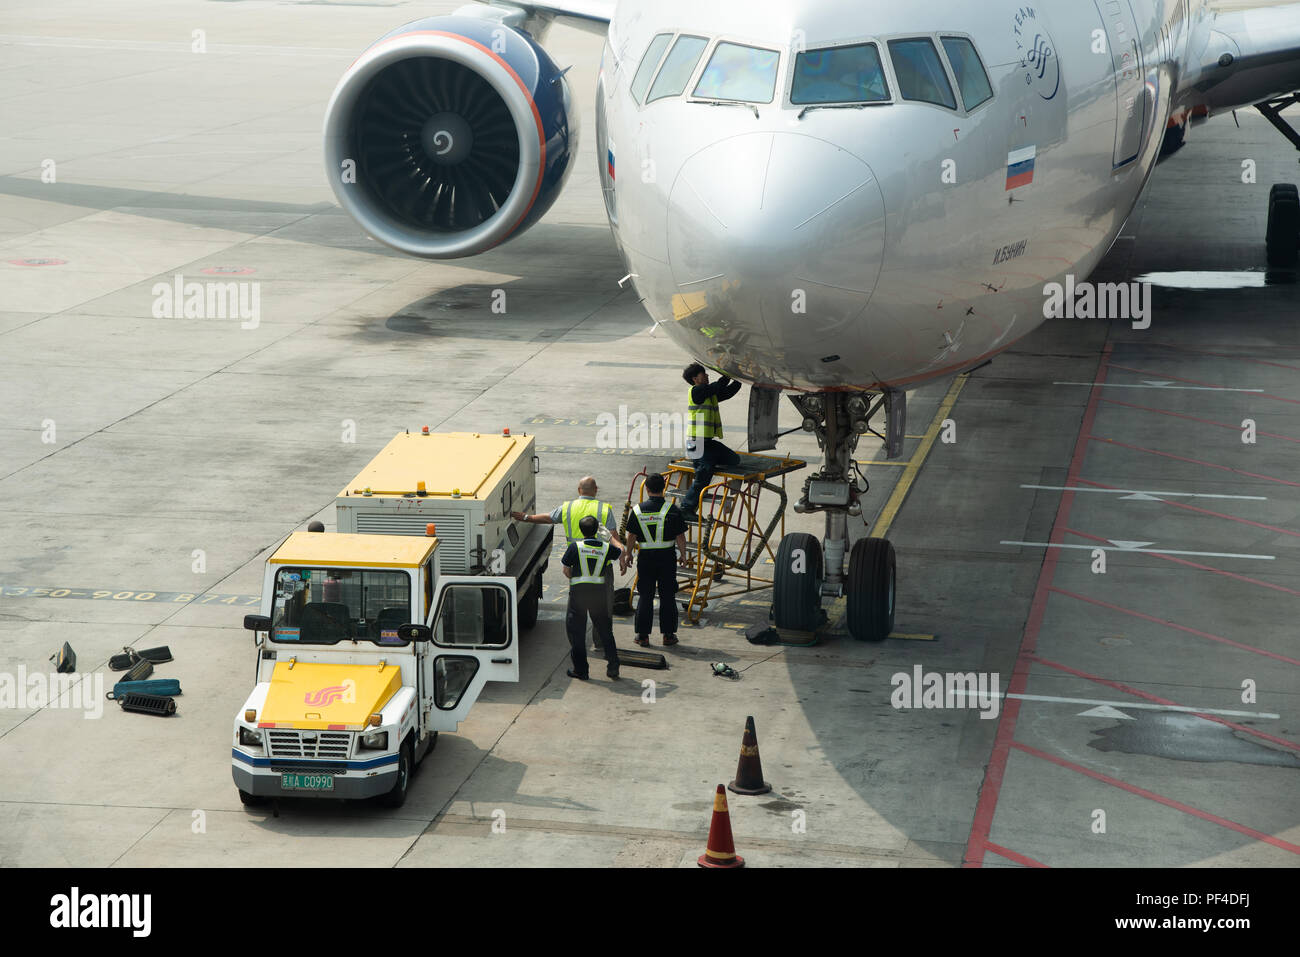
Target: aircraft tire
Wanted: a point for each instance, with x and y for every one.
(872, 584)
(797, 589)
(1283, 225)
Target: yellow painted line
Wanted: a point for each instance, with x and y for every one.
(913, 637)
(913, 468)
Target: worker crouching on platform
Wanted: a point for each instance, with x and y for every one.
(703, 430)
(588, 564)
(660, 531)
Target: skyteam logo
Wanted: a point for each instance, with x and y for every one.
(1037, 50)
(324, 697)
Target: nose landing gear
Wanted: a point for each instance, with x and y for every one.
(808, 571)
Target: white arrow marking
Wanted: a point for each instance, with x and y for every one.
(1129, 546)
(1144, 551)
(1136, 493)
(1105, 711)
(1140, 497)
(1159, 383)
(1134, 385)
(1143, 706)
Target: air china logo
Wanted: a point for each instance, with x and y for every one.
(1037, 54)
(324, 697)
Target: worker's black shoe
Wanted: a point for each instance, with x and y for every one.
(642, 640)
(573, 674)
(669, 640)
(611, 673)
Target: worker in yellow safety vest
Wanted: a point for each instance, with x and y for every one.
(704, 429)
(571, 513)
(588, 567)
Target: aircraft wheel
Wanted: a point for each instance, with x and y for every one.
(873, 577)
(797, 590)
(1283, 225)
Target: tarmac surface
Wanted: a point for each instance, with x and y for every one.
(149, 464)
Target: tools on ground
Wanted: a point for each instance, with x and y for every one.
(135, 692)
(130, 657)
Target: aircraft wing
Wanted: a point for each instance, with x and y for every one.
(1242, 53)
(593, 16)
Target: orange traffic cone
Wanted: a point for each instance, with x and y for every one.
(749, 772)
(721, 851)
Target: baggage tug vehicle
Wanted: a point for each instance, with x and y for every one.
(371, 643)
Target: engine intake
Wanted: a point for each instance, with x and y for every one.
(449, 136)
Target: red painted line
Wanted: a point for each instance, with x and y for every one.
(1181, 458)
(1224, 355)
(982, 823)
(1206, 511)
(1180, 415)
(1156, 699)
(1177, 627)
(1197, 565)
(1208, 385)
(1161, 799)
(1011, 855)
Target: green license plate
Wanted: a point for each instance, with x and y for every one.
(307, 782)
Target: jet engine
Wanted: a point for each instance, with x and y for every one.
(449, 136)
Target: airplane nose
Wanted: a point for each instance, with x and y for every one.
(767, 226)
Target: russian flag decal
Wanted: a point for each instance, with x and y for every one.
(611, 159)
(1020, 167)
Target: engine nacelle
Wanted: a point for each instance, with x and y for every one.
(449, 136)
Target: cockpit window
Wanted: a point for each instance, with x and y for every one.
(653, 54)
(677, 70)
(920, 72)
(969, 70)
(839, 75)
(737, 72)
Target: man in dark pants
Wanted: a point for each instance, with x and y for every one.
(655, 526)
(703, 430)
(588, 564)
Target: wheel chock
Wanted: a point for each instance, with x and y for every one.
(139, 671)
(642, 659)
(65, 660)
(148, 704)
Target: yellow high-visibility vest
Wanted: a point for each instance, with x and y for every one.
(705, 419)
(578, 509)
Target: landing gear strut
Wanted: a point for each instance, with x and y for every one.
(807, 571)
(1283, 199)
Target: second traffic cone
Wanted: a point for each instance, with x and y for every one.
(721, 850)
(749, 771)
